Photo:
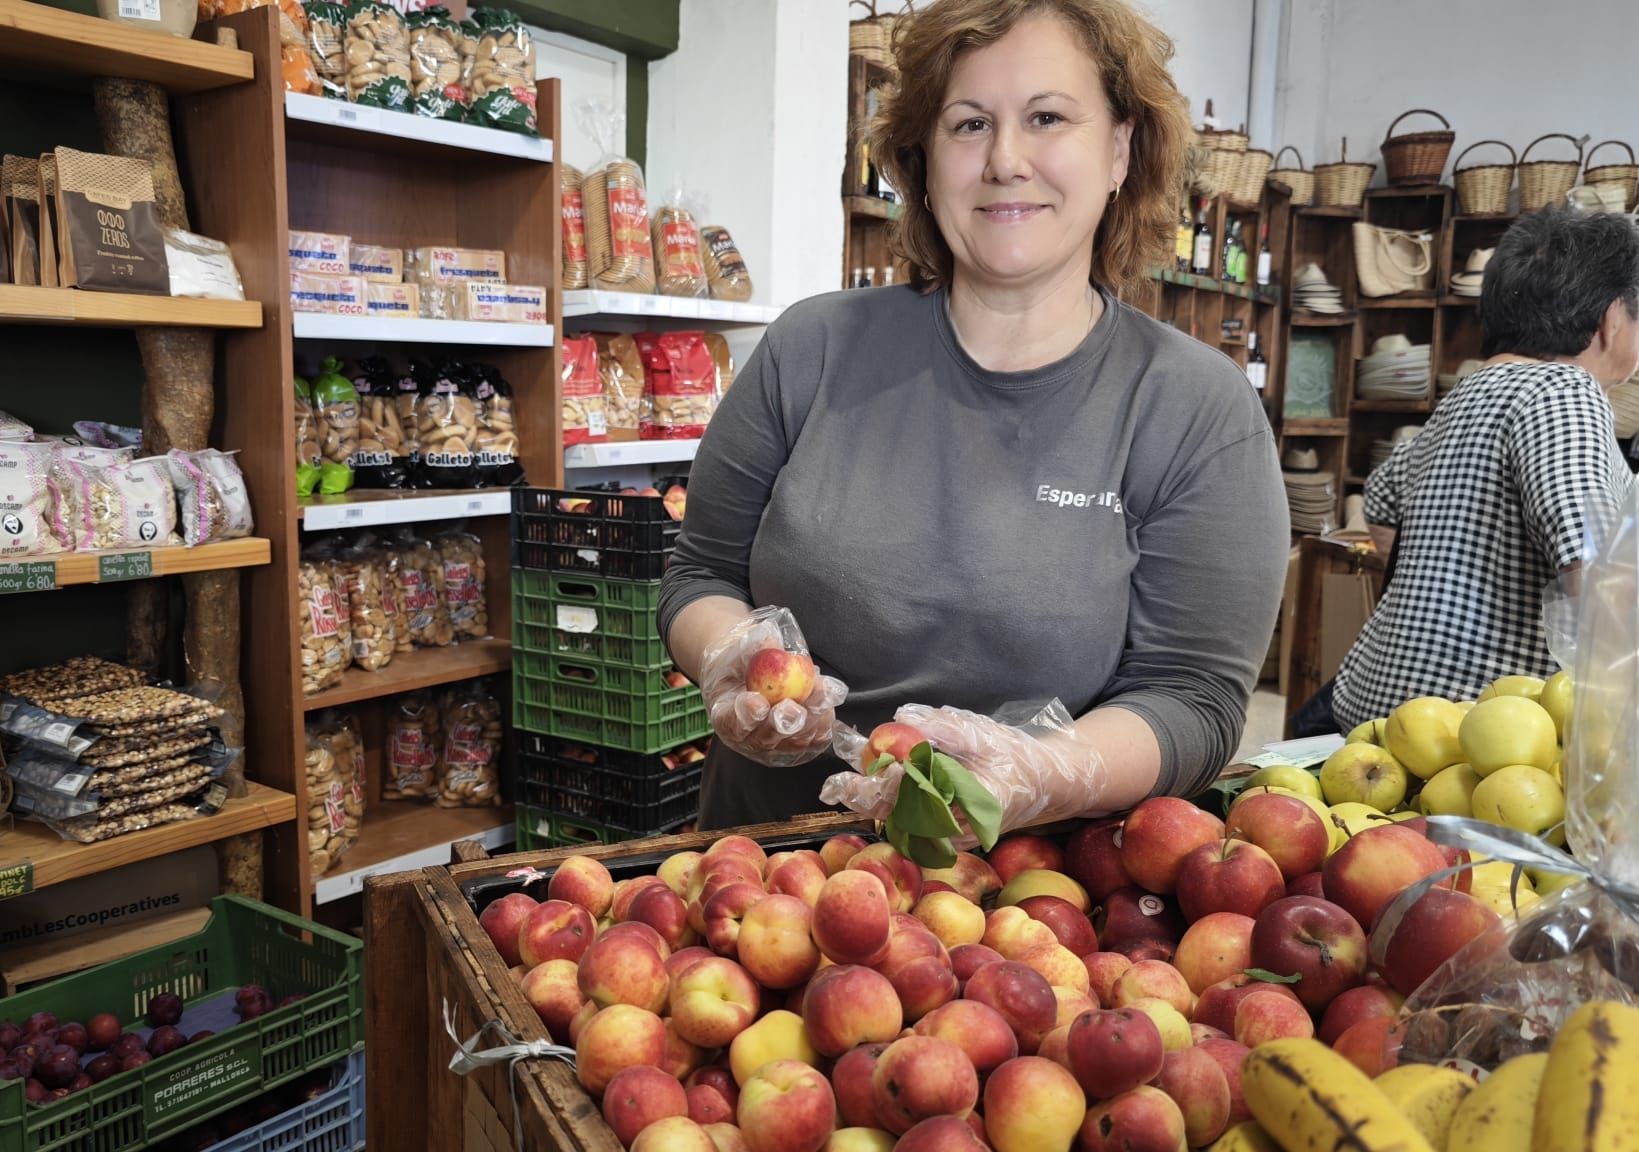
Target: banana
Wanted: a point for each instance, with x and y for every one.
(1428, 1095)
(1246, 1137)
(1590, 1092)
(1496, 1116)
(1310, 1099)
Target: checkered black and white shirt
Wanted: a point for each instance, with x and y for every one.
(1488, 504)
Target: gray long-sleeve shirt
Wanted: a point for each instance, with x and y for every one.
(1108, 529)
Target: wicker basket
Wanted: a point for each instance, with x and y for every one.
(871, 36)
(1216, 170)
(1483, 189)
(1250, 169)
(1627, 175)
(1417, 157)
(1300, 180)
(1545, 182)
(1342, 185)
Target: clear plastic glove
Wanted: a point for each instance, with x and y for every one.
(1027, 755)
(780, 734)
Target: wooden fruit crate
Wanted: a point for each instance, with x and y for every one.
(424, 948)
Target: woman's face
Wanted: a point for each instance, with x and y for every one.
(1024, 157)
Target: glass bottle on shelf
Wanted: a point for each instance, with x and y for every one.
(887, 276)
(1227, 273)
(1257, 367)
(1201, 258)
(1265, 261)
(1243, 256)
(870, 278)
(1184, 243)
(858, 278)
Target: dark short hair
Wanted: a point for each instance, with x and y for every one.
(1553, 277)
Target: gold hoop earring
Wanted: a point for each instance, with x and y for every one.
(926, 206)
(1116, 195)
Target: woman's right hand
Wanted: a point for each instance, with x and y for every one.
(781, 734)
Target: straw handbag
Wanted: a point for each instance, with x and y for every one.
(1482, 189)
(1300, 180)
(1251, 168)
(1545, 182)
(1626, 175)
(1417, 157)
(1388, 261)
(1342, 185)
(871, 36)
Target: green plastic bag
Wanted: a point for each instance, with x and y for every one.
(501, 84)
(307, 439)
(377, 33)
(336, 405)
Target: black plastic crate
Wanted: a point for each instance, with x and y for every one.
(625, 537)
(637, 793)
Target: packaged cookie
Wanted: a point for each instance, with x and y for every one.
(584, 419)
(462, 555)
(326, 34)
(500, 77)
(320, 616)
(469, 773)
(334, 767)
(211, 494)
(446, 426)
(377, 47)
(308, 456)
(413, 745)
(371, 606)
(574, 229)
(436, 90)
(726, 274)
(124, 505)
(419, 586)
(625, 397)
(619, 248)
(394, 602)
(406, 393)
(381, 459)
(497, 444)
(680, 268)
(336, 407)
(724, 357)
(680, 383)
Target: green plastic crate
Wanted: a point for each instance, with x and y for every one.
(624, 735)
(638, 696)
(539, 829)
(647, 652)
(611, 621)
(245, 942)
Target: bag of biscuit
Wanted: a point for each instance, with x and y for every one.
(381, 459)
(446, 417)
(497, 443)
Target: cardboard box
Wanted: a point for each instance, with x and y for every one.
(112, 899)
(322, 252)
(312, 292)
(453, 265)
(500, 303)
(379, 265)
(402, 300)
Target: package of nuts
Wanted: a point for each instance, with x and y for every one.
(574, 229)
(414, 738)
(126, 505)
(336, 406)
(371, 606)
(335, 789)
(497, 443)
(322, 619)
(419, 586)
(469, 774)
(436, 64)
(381, 459)
(308, 455)
(377, 47)
(211, 494)
(681, 383)
(500, 81)
(446, 425)
(462, 555)
(64, 482)
(584, 416)
(326, 30)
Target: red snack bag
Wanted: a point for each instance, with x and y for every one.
(680, 378)
(585, 418)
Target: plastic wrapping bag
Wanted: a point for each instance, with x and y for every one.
(1509, 990)
(497, 442)
(326, 31)
(436, 67)
(573, 210)
(64, 482)
(779, 735)
(498, 70)
(462, 555)
(414, 738)
(625, 395)
(446, 426)
(336, 408)
(382, 458)
(211, 493)
(334, 766)
(377, 48)
(124, 505)
(585, 419)
(469, 770)
(680, 383)
(619, 248)
(321, 619)
(680, 268)
(26, 505)
(371, 606)
(419, 586)
(308, 453)
(726, 274)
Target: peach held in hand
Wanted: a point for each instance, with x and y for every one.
(775, 675)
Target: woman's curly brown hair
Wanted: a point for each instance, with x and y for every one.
(1138, 229)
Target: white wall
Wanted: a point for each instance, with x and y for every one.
(1508, 69)
(1213, 39)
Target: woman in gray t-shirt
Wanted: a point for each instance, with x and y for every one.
(997, 483)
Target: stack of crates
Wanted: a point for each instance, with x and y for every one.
(610, 736)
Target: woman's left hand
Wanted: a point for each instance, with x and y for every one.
(1039, 771)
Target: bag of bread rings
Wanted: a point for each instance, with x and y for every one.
(335, 788)
(574, 229)
(625, 398)
(393, 599)
(497, 443)
(446, 414)
(336, 406)
(370, 606)
(436, 90)
(418, 583)
(469, 769)
(726, 273)
(414, 740)
(584, 418)
(501, 79)
(462, 555)
(381, 459)
(679, 266)
(320, 617)
(681, 385)
(619, 248)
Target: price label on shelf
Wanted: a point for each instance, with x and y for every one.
(28, 576)
(16, 880)
(125, 566)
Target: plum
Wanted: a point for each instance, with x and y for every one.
(253, 1002)
(164, 1008)
(293, 998)
(250, 992)
(55, 1095)
(39, 1022)
(202, 1034)
(58, 1067)
(102, 1030)
(10, 1071)
(80, 1083)
(128, 1043)
(10, 1036)
(26, 1055)
(164, 1041)
(34, 1091)
(134, 1060)
(102, 1067)
(74, 1035)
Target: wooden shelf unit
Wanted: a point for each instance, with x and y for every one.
(21, 304)
(412, 671)
(867, 221)
(72, 568)
(50, 42)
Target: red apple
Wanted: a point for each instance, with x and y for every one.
(1375, 866)
(1217, 1005)
(1317, 940)
(919, 1077)
(1144, 1119)
(1309, 884)
(1372, 1045)
(1104, 969)
(1113, 1050)
(853, 917)
(975, 1028)
(1432, 931)
(847, 1005)
(1215, 946)
(664, 911)
(786, 1106)
(1228, 876)
(1131, 918)
(1023, 853)
(1093, 859)
(1294, 834)
(839, 849)
(503, 919)
(901, 878)
(707, 1105)
(1073, 929)
(1266, 1016)
(942, 1134)
(1158, 834)
(1351, 1007)
(584, 881)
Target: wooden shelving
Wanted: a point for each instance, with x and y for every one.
(1459, 301)
(402, 835)
(44, 573)
(873, 206)
(423, 668)
(55, 860)
(1392, 406)
(32, 305)
(46, 41)
(1315, 426)
(386, 130)
(1392, 303)
(1324, 319)
(1329, 211)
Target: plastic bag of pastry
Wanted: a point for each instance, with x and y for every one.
(103, 434)
(680, 268)
(326, 46)
(328, 550)
(446, 425)
(319, 616)
(381, 459)
(414, 738)
(334, 766)
(619, 248)
(12, 428)
(726, 274)
(299, 75)
(292, 19)
(497, 443)
(394, 603)
(377, 47)
(469, 773)
(462, 555)
(584, 411)
(419, 586)
(124, 505)
(406, 393)
(574, 229)
(500, 80)
(211, 493)
(308, 453)
(336, 406)
(680, 383)
(371, 606)
(625, 397)
(436, 89)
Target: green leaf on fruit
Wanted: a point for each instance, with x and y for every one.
(878, 764)
(898, 837)
(920, 810)
(979, 804)
(1268, 977)
(932, 852)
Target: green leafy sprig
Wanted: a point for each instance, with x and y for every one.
(923, 822)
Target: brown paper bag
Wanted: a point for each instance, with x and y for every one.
(110, 237)
(20, 176)
(48, 221)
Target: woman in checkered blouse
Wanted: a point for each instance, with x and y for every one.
(1485, 507)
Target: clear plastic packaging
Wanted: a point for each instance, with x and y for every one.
(680, 383)
(25, 499)
(574, 228)
(585, 418)
(680, 268)
(326, 46)
(469, 774)
(334, 765)
(436, 88)
(625, 392)
(497, 442)
(309, 454)
(336, 407)
(370, 606)
(462, 555)
(377, 47)
(64, 481)
(382, 458)
(211, 494)
(414, 739)
(419, 585)
(124, 505)
(726, 273)
(201, 267)
(322, 620)
(446, 426)
(619, 248)
(499, 74)
(779, 735)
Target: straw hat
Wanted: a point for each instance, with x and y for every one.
(1468, 281)
(1393, 343)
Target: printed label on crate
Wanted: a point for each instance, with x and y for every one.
(576, 618)
(17, 880)
(178, 1090)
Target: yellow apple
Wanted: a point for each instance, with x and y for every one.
(1422, 734)
(1547, 883)
(1488, 873)
(777, 1036)
(1523, 797)
(1529, 687)
(1450, 792)
(1299, 780)
(1367, 732)
(1466, 706)
(1500, 901)
(1508, 730)
(1401, 815)
(1363, 774)
(1354, 818)
(1556, 700)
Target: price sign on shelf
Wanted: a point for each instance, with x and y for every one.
(28, 576)
(125, 566)
(16, 880)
